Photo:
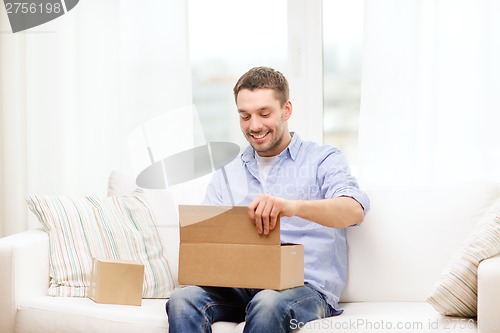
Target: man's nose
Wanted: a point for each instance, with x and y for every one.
(255, 124)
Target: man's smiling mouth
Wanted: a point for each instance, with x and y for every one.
(259, 137)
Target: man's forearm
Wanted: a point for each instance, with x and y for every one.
(338, 212)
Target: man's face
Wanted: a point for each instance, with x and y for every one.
(263, 120)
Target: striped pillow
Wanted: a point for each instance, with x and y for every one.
(111, 228)
(456, 292)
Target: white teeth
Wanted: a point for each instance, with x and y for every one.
(259, 136)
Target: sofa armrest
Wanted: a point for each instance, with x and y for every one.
(488, 296)
(24, 272)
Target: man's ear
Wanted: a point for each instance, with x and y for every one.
(287, 110)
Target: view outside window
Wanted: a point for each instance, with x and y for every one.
(227, 38)
(342, 59)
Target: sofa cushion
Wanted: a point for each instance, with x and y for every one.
(409, 236)
(76, 314)
(80, 229)
(81, 315)
(455, 293)
(369, 317)
(164, 210)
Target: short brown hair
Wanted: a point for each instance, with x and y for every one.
(264, 78)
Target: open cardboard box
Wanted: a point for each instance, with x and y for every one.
(220, 246)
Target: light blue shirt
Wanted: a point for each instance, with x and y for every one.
(303, 171)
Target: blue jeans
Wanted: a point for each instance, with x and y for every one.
(193, 309)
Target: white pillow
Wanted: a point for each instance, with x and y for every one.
(455, 294)
(164, 210)
(119, 184)
(112, 228)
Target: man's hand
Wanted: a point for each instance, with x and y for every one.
(340, 212)
(265, 210)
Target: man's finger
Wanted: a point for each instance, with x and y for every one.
(259, 223)
(251, 209)
(266, 220)
(274, 216)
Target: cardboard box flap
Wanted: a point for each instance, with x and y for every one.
(221, 224)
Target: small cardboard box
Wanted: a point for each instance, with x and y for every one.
(220, 246)
(116, 282)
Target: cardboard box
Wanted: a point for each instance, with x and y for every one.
(116, 282)
(220, 246)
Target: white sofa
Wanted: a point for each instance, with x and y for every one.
(395, 258)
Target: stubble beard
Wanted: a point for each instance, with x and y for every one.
(275, 142)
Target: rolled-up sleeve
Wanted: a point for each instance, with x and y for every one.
(335, 179)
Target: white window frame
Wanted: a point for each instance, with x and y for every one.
(305, 67)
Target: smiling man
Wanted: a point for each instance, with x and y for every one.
(312, 191)
(263, 120)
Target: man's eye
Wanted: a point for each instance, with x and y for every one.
(265, 115)
(245, 117)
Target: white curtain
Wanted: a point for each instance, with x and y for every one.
(72, 90)
(430, 109)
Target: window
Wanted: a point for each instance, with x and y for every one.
(342, 60)
(227, 38)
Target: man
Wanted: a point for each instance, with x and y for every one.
(308, 186)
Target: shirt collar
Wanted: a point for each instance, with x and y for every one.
(292, 150)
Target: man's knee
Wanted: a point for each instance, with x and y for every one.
(183, 299)
(268, 301)
(270, 305)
